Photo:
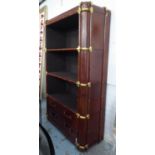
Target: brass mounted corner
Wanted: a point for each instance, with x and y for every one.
(79, 84)
(84, 9)
(89, 49)
(82, 117)
(81, 147)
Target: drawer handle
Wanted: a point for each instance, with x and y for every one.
(67, 115)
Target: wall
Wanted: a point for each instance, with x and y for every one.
(55, 7)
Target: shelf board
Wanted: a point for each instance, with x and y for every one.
(66, 99)
(67, 76)
(62, 50)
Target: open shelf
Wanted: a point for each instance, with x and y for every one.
(62, 91)
(67, 76)
(62, 65)
(63, 33)
(66, 99)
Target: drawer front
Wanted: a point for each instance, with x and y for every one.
(67, 114)
(70, 117)
(54, 116)
(54, 105)
(63, 118)
(69, 130)
(69, 124)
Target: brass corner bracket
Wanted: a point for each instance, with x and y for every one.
(84, 49)
(85, 9)
(79, 84)
(82, 117)
(82, 147)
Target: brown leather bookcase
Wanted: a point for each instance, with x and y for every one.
(76, 72)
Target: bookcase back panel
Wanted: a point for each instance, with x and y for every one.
(62, 62)
(61, 39)
(63, 34)
(71, 38)
(55, 86)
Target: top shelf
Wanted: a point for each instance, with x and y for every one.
(63, 35)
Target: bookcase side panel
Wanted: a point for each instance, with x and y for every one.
(96, 77)
(104, 72)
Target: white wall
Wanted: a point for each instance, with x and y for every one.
(55, 7)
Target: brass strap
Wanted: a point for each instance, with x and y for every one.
(84, 49)
(82, 117)
(79, 84)
(85, 10)
(82, 147)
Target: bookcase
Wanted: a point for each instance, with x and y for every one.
(76, 72)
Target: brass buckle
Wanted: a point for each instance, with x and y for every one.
(85, 10)
(82, 147)
(79, 84)
(82, 117)
(84, 49)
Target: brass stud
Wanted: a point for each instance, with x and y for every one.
(90, 49)
(78, 83)
(79, 10)
(89, 84)
(78, 49)
(91, 10)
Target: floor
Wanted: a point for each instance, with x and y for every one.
(64, 147)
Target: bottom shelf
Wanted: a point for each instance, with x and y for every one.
(66, 99)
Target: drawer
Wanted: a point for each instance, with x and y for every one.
(69, 130)
(53, 105)
(63, 118)
(69, 117)
(54, 116)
